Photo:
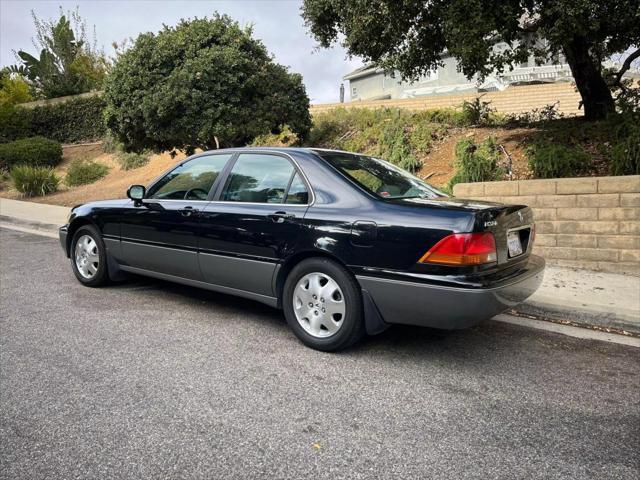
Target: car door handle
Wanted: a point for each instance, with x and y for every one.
(188, 212)
(280, 217)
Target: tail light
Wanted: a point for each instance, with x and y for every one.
(463, 249)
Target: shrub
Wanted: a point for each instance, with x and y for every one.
(81, 172)
(72, 121)
(132, 160)
(110, 144)
(476, 163)
(203, 82)
(400, 136)
(284, 138)
(476, 112)
(551, 160)
(394, 147)
(13, 123)
(35, 151)
(625, 157)
(34, 181)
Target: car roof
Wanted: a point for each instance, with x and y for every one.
(276, 150)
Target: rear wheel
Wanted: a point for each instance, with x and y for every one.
(323, 305)
(88, 257)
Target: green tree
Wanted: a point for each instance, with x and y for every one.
(202, 84)
(13, 89)
(411, 35)
(67, 64)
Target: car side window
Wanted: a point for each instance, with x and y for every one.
(258, 178)
(191, 180)
(298, 193)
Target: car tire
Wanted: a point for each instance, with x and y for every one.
(342, 308)
(89, 273)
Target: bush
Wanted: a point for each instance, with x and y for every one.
(110, 144)
(72, 121)
(394, 146)
(81, 172)
(551, 160)
(284, 138)
(477, 112)
(35, 151)
(203, 82)
(476, 163)
(34, 181)
(132, 160)
(13, 123)
(625, 154)
(400, 136)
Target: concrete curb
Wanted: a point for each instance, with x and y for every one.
(623, 322)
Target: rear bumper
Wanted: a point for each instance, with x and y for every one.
(62, 233)
(436, 306)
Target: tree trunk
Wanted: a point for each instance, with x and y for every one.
(596, 96)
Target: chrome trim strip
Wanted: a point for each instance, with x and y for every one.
(158, 244)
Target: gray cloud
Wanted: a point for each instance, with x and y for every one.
(276, 22)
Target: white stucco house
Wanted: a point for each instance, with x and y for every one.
(371, 83)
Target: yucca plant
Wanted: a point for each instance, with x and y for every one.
(34, 181)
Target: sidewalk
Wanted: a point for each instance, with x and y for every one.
(579, 297)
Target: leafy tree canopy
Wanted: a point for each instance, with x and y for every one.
(411, 35)
(13, 89)
(202, 84)
(67, 64)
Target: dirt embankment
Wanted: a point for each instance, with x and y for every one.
(437, 166)
(113, 185)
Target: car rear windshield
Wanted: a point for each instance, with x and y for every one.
(380, 177)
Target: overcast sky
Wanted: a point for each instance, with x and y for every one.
(276, 22)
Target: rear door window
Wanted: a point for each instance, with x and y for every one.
(259, 178)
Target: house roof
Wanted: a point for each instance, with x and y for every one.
(363, 71)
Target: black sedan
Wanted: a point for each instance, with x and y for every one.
(345, 244)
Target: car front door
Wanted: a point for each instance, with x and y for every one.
(253, 222)
(161, 234)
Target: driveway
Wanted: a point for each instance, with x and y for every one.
(155, 380)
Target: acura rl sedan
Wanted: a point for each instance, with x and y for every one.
(345, 244)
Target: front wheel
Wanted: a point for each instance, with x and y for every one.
(88, 257)
(323, 305)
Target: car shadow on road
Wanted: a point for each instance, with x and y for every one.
(395, 337)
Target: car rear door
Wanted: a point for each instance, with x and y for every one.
(161, 234)
(253, 222)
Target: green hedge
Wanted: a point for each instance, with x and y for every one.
(34, 152)
(73, 121)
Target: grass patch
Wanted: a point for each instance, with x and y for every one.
(34, 181)
(132, 160)
(82, 172)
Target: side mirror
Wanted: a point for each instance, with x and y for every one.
(136, 193)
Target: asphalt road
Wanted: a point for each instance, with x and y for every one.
(152, 380)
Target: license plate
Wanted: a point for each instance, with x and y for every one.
(514, 244)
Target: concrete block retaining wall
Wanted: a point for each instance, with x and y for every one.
(591, 223)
